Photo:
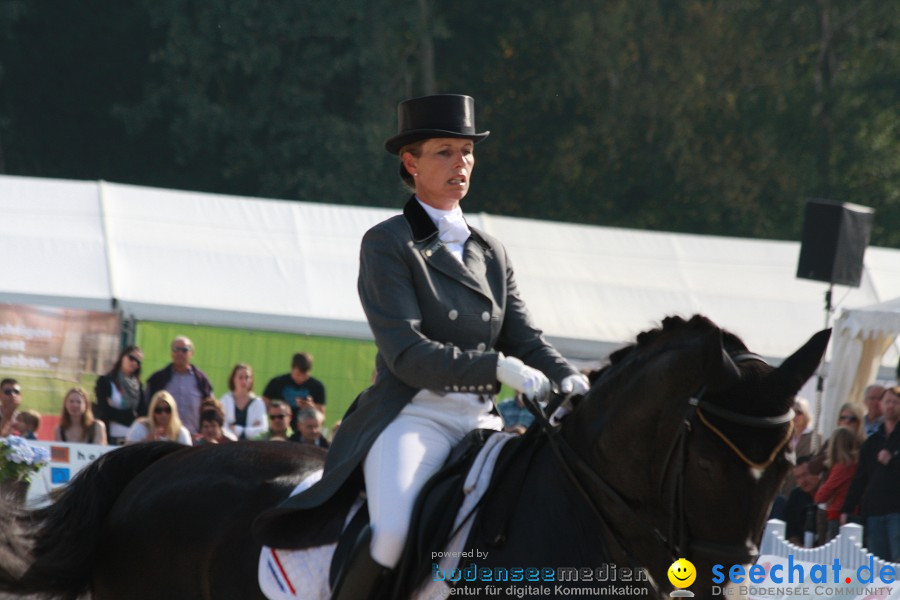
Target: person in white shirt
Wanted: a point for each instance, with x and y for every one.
(245, 412)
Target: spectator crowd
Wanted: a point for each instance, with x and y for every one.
(177, 403)
(853, 476)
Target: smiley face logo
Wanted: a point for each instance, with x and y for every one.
(682, 573)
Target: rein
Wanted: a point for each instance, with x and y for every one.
(668, 547)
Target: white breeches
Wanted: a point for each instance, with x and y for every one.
(411, 449)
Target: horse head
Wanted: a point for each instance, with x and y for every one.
(687, 429)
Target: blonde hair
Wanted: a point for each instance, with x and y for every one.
(174, 427)
(857, 412)
(843, 448)
(801, 405)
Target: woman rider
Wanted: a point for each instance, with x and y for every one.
(442, 302)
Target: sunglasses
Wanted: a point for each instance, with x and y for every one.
(12, 391)
(162, 409)
(278, 416)
(181, 349)
(134, 359)
(848, 418)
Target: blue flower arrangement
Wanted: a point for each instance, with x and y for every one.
(19, 460)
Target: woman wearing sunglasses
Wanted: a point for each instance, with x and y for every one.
(118, 394)
(161, 423)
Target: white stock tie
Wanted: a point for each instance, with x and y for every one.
(452, 228)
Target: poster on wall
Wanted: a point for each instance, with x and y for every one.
(61, 341)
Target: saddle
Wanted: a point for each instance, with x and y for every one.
(432, 522)
(464, 506)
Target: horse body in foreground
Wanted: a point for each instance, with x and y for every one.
(677, 451)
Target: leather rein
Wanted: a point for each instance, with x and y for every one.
(674, 543)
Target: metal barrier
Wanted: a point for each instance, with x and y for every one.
(847, 547)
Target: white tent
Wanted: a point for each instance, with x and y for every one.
(52, 247)
(861, 338)
(251, 263)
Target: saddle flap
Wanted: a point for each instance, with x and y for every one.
(435, 512)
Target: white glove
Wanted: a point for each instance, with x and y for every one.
(574, 384)
(522, 378)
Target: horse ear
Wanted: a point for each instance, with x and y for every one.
(800, 366)
(721, 372)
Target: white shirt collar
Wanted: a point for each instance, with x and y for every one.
(435, 214)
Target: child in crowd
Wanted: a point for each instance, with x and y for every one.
(28, 422)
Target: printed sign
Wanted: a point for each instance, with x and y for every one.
(61, 340)
(66, 459)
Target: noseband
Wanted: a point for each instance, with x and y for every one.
(761, 422)
(748, 420)
(675, 543)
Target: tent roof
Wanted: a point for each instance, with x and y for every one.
(52, 243)
(291, 266)
(882, 319)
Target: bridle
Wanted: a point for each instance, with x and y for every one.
(677, 539)
(675, 542)
(748, 420)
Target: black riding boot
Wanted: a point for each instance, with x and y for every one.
(361, 578)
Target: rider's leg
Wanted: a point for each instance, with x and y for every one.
(407, 453)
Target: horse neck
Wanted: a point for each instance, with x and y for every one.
(622, 415)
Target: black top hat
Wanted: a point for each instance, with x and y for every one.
(442, 115)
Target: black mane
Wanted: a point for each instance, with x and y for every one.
(671, 327)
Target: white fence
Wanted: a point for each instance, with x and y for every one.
(847, 547)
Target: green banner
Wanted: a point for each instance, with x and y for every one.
(344, 366)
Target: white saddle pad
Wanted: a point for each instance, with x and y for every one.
(303, 574)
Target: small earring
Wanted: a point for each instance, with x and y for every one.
(415, 174)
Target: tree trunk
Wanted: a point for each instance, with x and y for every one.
(824, 66)
(426, 50)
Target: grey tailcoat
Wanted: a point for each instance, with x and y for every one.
(438, 325)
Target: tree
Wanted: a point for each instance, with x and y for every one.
(696, 116)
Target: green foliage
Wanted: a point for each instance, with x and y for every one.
(697, 116)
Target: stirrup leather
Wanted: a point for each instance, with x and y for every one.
(361, 578)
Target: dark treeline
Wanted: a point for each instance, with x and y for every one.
(703, 116)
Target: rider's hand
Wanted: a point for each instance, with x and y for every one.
(574, 384)
(522, 378)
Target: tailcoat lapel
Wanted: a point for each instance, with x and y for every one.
(435, 253)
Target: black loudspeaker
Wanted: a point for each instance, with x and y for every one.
(835, 236)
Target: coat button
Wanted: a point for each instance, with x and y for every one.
(452, 314)
(481, 347)
(428, 252)
(485, 316)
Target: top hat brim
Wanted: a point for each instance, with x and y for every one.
(394, 144)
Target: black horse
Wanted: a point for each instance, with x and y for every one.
(677, 451)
